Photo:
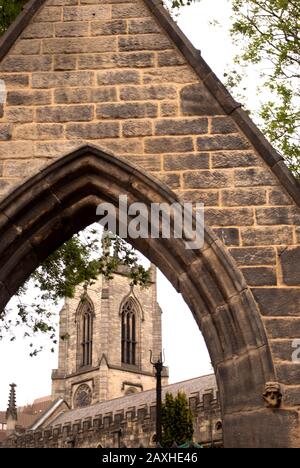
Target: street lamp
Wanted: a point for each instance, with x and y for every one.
(158, 365)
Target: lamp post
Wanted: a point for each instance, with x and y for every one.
(158, 365)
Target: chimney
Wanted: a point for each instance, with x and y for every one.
(11, 412)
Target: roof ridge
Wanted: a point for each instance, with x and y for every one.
(273, 159)
(138, 395)
(131, 404)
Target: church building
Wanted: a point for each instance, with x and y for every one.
(107, 332)
(103, 391)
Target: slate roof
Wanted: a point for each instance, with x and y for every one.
(189, 387)
(273, 159)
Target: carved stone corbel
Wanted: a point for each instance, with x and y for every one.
(272, 395)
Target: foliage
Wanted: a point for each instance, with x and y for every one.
(78, 261)
(177, 420)
(267, 35)
(9, 9)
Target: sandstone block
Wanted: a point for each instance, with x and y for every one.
(143, 42)
(181, 162)
(254, 256)
(223, 125)
(79, 45)
(5, 131)
(137, 128)
(253, 177)
(207, 197)
(181, 126)
(260, 276)
(126, 110)
(22, 63)
(130, 10)
(279, 235)
(197, 100)
(229, 236)
(278, 215)
(65, 62)
(229, 216)
(276, 302)
(144, 93)
(241, 197)
(110, 27)
(278, 197)
(290, 263)
(62, 79)
(65, 113)
(222, 142)
(93, 130)
(235, 159)
(169, 109)
(207, 179)
(170, 58)
(142, 26)
(28, 98)
(87, 13)
(118, 77)
(71, 29)
(168, 145)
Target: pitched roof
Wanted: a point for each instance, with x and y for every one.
(273, 159)
(189, 387)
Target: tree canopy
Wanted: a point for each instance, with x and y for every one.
(79, 261)
(9, 9)
(266, 35)
(177, 420)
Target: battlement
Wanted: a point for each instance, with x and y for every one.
(129, 426)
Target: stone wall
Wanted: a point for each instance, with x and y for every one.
(108, 377)
(107, 73)
(131, 428)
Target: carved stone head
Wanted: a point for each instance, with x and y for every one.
(272, 395)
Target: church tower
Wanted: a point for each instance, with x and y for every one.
(106, 333)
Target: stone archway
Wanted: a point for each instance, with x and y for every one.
(61, 199)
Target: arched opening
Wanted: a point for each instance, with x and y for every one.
(84, 319)
(129, 316)
(60, 200)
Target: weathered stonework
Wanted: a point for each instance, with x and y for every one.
(107, 377)
(127, 422)
(121, 77)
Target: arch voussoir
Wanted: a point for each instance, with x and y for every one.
(62, 199)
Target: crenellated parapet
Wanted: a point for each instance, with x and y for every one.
(130, 427)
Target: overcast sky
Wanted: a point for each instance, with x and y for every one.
(190, 359)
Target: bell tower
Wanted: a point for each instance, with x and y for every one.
(106, 333)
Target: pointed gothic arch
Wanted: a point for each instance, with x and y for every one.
(60, 200)
(131, 296)
(130, 332)
(85, 328)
